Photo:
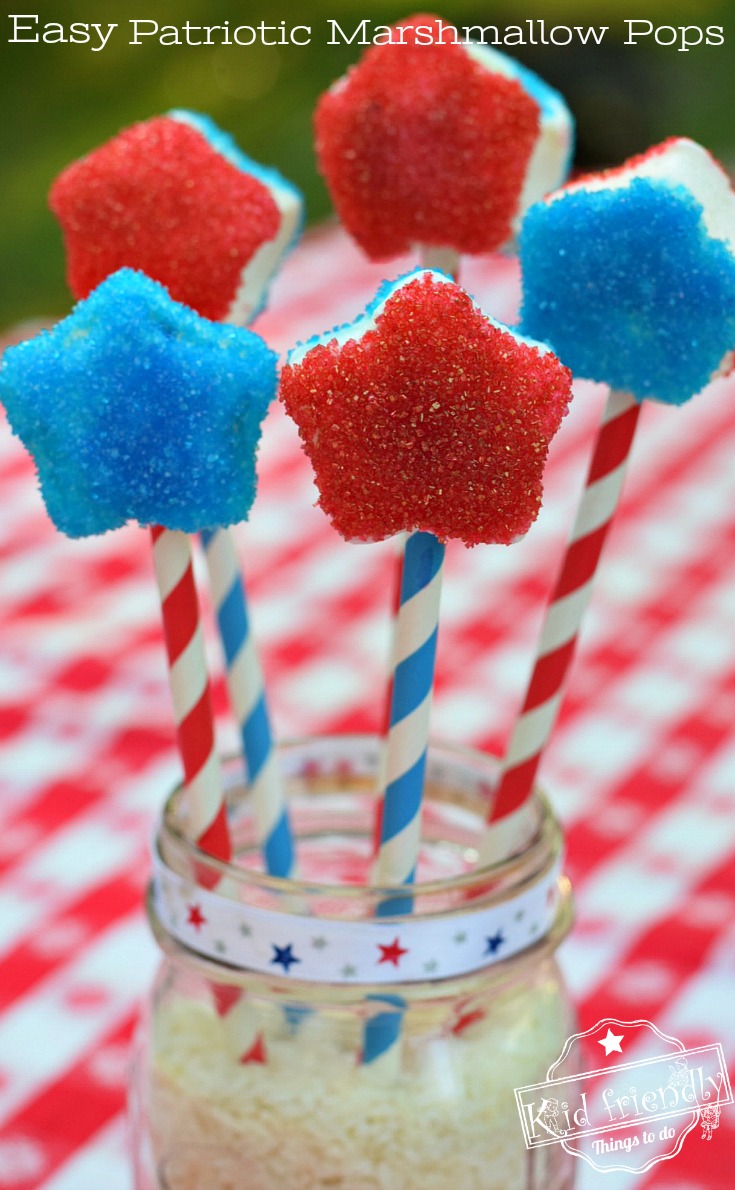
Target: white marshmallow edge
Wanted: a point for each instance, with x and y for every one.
(262, 266)
(549, 162)
(680, 163)
(260, 269)
(354, 331)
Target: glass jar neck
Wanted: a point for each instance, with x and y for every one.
(329, 926)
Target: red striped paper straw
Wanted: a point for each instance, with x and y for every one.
(567, 605)
(190, 690)
(192, 701)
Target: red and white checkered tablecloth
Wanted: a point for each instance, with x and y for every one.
(642, 767)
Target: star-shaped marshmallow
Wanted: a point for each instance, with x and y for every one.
(135, 408)
(630, 274)
(176, 198)
(430, 142)
(425, 414)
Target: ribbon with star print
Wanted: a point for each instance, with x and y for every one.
(373, 951)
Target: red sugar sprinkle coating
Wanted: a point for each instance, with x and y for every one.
(419, 144)
(434, 420)
(159, 198)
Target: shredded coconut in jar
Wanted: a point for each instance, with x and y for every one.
(312, 1118)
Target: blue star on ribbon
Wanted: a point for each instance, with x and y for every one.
(494, 943)
(284, 955)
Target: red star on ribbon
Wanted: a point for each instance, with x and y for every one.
(393, 953)
(196, 918)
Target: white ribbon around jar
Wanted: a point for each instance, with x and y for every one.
(343, 951)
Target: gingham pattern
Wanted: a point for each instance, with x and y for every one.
(641, 765)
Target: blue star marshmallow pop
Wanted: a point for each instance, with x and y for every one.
(175, 197)
(629, 275)
(136, 408)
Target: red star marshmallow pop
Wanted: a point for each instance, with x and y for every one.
(426, 417)
(441, 145)
(630, 275)
(176, 198)
(429, 418)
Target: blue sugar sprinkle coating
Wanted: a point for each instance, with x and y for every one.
(136, 408)
(629, 289)
(387, 288)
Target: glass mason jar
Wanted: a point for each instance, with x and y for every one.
(298, 1037)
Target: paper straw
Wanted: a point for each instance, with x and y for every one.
(248, 700)
(412, 669)
(404, 759)
(385, 724)
(566, 608)
(195, 731)
(241, 1023)
(190, 691)
(446, 260)
(382, 1030)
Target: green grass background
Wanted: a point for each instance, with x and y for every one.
(59, 101)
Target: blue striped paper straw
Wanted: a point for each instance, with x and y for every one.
(412, 681)
(383, 1029)
(247, 697)
(414, 654)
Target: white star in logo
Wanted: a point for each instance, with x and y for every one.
(611, 1042)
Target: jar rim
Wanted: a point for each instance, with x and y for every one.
(543, 846)
(360, 933)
